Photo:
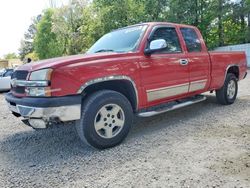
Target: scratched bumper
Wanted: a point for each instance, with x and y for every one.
(49, 109)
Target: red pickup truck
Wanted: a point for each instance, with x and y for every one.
(145, 69)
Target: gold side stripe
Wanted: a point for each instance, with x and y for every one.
(167, 92)
(160, 93)
(198, 81)
(164, 88)
(197, 85)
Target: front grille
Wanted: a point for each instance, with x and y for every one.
(19, 75)
(18, 90)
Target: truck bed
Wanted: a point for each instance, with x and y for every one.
(221, 61)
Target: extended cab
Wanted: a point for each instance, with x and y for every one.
(144, 69)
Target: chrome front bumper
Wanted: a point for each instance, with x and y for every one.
(41, 111)
(62, 113)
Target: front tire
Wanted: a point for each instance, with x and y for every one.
(106, 119)
(228, 93)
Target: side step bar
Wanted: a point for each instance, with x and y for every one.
(173, 106)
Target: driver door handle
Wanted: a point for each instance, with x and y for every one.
(183, 62)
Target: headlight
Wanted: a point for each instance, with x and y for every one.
(41, 80)
(44, 74)
(38, 91)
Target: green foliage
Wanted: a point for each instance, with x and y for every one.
(114, 14)
(27, 44)
(45, 42)
(67, 22)
(73, 28)
(10, 56)
(33, 56)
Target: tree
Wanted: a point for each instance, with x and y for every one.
(241, 17)
(73, 28)
(10, 56)
(248, 22)
(46, 44)
(114, 14)
(155, 10)
(67, 23)
(33, 56)
(220, 22)
(27, 43)
(201, 13)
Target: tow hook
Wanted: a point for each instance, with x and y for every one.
(35, 123)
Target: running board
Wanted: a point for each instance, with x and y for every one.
(173, 106)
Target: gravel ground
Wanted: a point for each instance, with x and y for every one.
(204, 145)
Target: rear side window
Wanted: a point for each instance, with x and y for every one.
(191, 39)
(170, 36)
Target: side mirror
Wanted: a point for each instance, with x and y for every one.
(156, 45)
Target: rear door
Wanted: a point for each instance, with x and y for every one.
(198, 59)
(165, 74)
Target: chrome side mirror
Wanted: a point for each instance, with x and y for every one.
(156, 45)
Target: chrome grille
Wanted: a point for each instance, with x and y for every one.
(19, 75)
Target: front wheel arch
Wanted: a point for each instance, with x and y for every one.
(91, 107)
(123, 85)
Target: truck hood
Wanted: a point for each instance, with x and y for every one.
(67, 60)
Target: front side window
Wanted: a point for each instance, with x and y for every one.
(191, 39)
(120, 41)
(170, 36)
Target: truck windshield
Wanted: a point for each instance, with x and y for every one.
(119, 41)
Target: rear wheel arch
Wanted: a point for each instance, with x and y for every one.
(122, 84)
(234, 69)
(223, 94)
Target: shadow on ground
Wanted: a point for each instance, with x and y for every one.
(62, 144)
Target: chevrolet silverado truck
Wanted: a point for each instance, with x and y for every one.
(145, 69)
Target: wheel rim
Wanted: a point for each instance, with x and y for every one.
(231, 89)
(109, 121)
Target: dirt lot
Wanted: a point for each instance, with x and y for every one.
(205, 145)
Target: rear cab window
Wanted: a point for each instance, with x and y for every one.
(191, 39)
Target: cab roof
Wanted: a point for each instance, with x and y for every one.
(157, 23)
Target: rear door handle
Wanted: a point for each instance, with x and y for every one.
(183, 62)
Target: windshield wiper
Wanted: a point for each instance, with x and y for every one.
(104, 50)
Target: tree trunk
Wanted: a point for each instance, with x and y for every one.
(196, 22)
(220, 23)
(248, 28)
(242, 27)
(242, 21)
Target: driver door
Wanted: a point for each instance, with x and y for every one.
(165, 74)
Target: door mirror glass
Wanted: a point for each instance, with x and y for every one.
(158, 44)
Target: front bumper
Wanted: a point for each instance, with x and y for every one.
(48, 109)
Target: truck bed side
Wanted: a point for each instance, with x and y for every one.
(221, 62)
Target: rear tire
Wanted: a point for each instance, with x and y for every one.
(228, 93)
(106, 119)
